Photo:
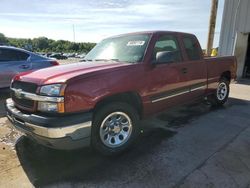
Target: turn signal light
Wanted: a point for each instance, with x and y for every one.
(60, 107)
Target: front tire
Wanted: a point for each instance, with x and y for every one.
(114, 129)
(221, 94)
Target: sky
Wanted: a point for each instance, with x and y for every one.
(94, 20)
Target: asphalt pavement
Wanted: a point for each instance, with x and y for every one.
(189, 146)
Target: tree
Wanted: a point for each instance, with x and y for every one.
(3, 39)
(41, 43)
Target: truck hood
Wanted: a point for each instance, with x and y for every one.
(62, 73)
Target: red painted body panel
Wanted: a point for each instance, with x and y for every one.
(217, 65)
(90, 82)
(60, 74)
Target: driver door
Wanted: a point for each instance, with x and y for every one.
(167, 79)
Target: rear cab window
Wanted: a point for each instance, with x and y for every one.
(168, 43)
(192, 48)
(12, 55)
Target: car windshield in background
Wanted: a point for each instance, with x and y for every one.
(129, 48)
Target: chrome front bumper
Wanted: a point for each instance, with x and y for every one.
(72, 129)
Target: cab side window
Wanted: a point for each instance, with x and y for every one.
(168, 46)
(192, 49)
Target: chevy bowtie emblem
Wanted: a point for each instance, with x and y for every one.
(18, 93)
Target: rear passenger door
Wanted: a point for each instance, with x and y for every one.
(195, 66)
(12, 62)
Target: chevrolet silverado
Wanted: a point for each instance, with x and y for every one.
(125, 78)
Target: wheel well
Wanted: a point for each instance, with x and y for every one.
(226, 75)
(131, 98)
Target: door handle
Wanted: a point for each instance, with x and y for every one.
(184, 70)
(24, 66)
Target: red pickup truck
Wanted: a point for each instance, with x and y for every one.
(123, 79)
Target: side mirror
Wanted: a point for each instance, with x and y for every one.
(164, 57)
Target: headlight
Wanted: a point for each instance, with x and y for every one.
(47, 107)
(51, 90)
(50, 107)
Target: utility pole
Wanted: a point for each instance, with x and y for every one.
(74, 36)
(212, 24)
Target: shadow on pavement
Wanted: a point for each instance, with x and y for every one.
(45, 166)
(4, 94)
(182, 115)
(243, 81)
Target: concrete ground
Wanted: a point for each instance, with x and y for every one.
(190, 146)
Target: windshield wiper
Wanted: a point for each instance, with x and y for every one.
(117, 60)
(84, 60)
(132, 62)
(106, 60)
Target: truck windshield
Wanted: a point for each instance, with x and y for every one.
(129, 48)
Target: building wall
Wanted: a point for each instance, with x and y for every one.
(236, 19)
(235, 31)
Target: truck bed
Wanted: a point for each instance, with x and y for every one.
(218, 65)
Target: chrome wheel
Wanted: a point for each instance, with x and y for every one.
(222, 91)
(115, 129)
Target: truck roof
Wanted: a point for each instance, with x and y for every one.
(152, 32)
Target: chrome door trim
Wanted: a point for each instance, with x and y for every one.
(175, 93)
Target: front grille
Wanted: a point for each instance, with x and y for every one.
(27, 87)
(26, 103)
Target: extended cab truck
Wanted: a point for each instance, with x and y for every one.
(123, 79)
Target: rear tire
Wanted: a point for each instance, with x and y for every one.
(221, 94)
(114, 128)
